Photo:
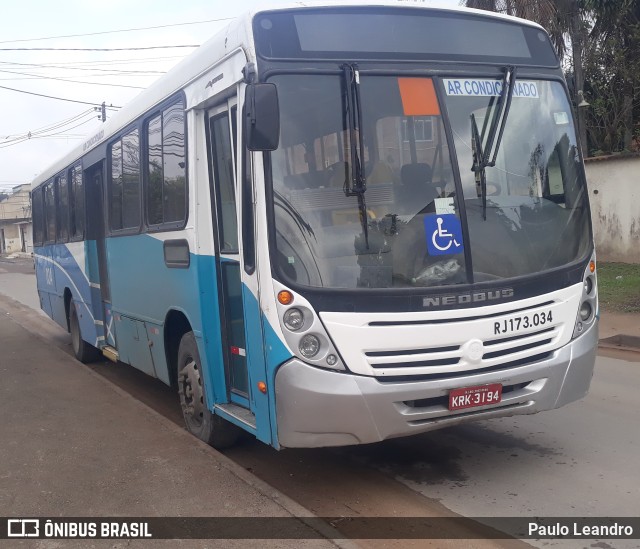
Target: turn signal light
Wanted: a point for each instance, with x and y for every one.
(262, 387)
(285, 297)
(592, 266)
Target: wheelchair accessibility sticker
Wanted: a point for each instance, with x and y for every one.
(444, 234)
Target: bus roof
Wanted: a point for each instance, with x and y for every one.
(235, 35)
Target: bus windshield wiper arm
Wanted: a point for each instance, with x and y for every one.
(355, 184)
(478, 164)
(482, 154)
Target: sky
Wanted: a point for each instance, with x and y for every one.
(35, 131)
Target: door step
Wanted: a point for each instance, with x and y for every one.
(110, 353)
(238, 412)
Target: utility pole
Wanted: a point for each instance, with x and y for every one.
(576, 33)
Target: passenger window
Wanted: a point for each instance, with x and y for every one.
(166, 168)
(76, 199)
(50, 212)
(124, 199)
(63, 208)
(38, 218)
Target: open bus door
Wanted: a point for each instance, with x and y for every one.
(99, 276)
(237, 341)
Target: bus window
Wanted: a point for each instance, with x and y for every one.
(166, 168)
(50, 212)
(38, 218)
(76, 203)
(125, 182)
(63, 208)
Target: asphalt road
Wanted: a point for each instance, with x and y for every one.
(581, 460)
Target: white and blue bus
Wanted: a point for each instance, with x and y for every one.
(335, 224)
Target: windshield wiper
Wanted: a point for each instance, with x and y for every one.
(356, 183)
(482, 153)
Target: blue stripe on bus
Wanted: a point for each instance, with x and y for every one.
(57, 269)
(143, 293)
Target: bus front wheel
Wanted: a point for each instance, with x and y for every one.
(82, 350)
(200, 421)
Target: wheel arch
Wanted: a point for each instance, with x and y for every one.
(176, 324)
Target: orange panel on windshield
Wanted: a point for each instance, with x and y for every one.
(418, 97)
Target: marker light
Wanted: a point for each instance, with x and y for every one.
(293, 319)
(592, 266)
(285, 297)
(309, 346)
(262, 387)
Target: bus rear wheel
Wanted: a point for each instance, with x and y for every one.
(82, 350)
(198, 419)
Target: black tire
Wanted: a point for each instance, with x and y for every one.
(198, 419)
(82, 350)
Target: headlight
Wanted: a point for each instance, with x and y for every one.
(303, 331)
(588, 285)
(293, 319)
(309, 346)
(589, 301)
(585, 311)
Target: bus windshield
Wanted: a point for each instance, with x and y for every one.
(537, 210)
(409, 232)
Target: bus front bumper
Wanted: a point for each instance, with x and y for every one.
(318, 407)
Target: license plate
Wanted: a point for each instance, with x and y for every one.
(516, 324)
(470, 397)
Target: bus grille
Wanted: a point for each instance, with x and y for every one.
(494, 350)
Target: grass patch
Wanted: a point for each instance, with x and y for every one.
(619, 287)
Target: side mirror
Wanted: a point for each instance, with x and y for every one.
(261, 117)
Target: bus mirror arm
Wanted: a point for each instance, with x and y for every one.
(261, 117)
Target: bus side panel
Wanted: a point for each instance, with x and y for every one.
(44, 278)
(155, 336)
(266, 353)
(60, 267)
(133, 346)
(276, 354)
(144, 289)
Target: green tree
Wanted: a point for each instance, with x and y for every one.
(564, 21)
(613, 73)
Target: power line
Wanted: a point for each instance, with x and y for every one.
(72, 81)
(63, 135)
(119, 61)
(53, 125)
(68, 77)
(58, 98)
(61, 66)
(103, 49)
(117, 31)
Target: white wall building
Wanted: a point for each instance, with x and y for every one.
(15, 221)
(614, 193)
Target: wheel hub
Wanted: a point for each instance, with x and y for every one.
(191, 392)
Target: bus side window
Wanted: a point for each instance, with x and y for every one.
(62, 192)
(38, 218)
(50, 212)
(76, 203)
(166, 169)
